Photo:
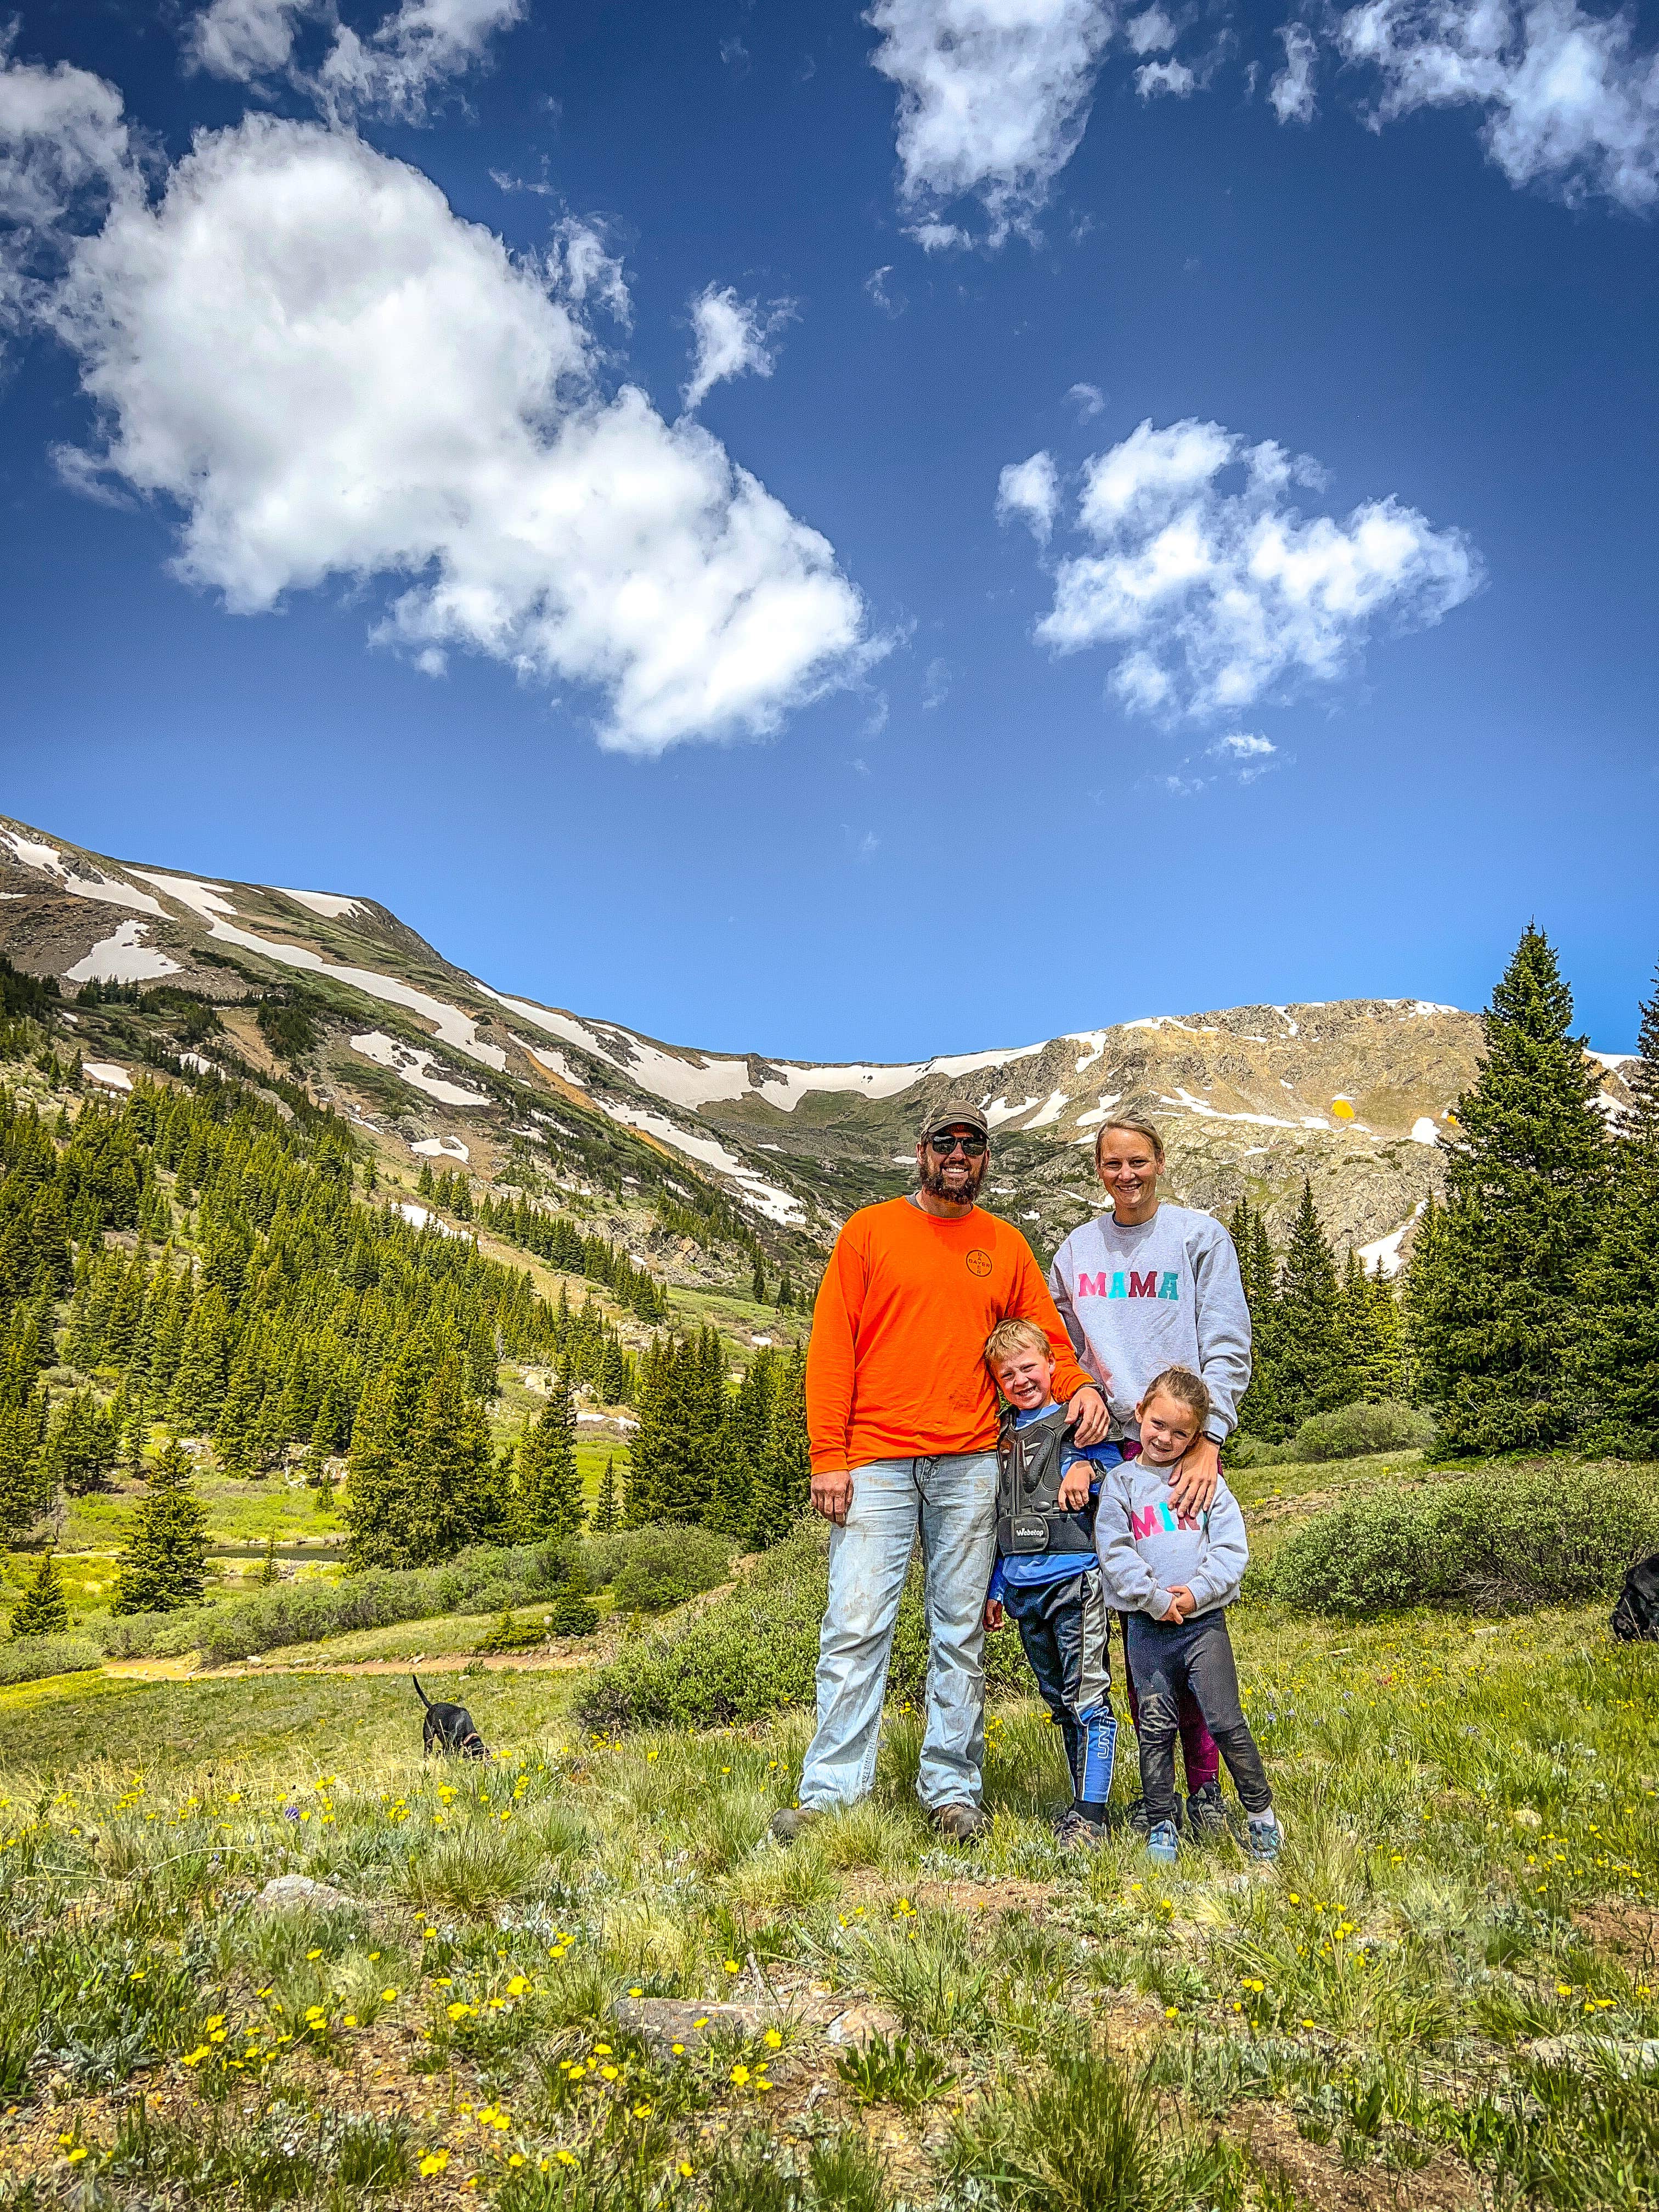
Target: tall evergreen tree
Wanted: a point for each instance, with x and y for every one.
(1613, 1366)
(1258, 1268)
(606, 1509)
(42, 1610)
(1305, 1371)
(1526, 1185)
(1365, 1366)
(421, 1478)
(757, 1283)
(162, 1565)
(550, 1500)
(1419, 1298)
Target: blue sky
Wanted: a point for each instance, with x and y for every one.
(390, 564)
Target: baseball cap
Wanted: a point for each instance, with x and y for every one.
(952, 1113)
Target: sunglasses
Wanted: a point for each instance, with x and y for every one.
(972, 1146)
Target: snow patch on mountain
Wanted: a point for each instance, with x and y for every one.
(454, 1028)
(111, 889)
(780, 1206)
(329, 904)
(434, 1148)
(1386, 1251)
(205, 899)
(122, 958)
(414, 1067)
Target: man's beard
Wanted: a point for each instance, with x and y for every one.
(936, 1187)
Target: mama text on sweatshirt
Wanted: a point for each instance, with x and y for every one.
(1146, 1547)
(1164, 1293)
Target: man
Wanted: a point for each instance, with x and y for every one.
(902, 1416)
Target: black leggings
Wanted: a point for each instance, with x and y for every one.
(1165, 1658)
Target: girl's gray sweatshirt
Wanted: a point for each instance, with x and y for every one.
(1166, 1294)
(1145, 1546)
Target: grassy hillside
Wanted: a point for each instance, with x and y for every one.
(581, 1976)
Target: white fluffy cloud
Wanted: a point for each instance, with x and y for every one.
(1214, 588)
(63, 144)
(993, 97)
(1030, 490)
(1291, 95)
(1568, 100)
(419, 46)
(731, 337)
(329, 374)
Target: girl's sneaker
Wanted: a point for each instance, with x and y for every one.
(1163, 1844)
(1265, 1836)
(1206, 1813)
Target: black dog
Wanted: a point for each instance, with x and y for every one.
(448, 1728)
(1636, 1616)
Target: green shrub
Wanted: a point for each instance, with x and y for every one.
(31, 1658)
(1352, 1431)
(667, 1563)
(485, 1579)
(1551, 1533)
(757, 1649)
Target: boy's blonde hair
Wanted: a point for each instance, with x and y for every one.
(1013, 1335)
(1184, 1387)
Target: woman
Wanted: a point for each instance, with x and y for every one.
(1145, 1287)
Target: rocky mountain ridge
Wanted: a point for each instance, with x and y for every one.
(1355, 1094)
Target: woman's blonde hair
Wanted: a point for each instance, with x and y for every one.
(1139, 1128)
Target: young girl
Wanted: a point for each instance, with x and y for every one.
(1174, 1573)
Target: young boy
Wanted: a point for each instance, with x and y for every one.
(1046, 1574)
(1173, 1574)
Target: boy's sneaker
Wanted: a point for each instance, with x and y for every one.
(1076, 1832)
(1265, 1836)
(1205, 1810)
(1164, 1843)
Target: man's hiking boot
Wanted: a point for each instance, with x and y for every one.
(1266, 1837)
(792, 1820)
(960, 1823)
(1206, 1813)
(1164, 1843)
(1076, 1832)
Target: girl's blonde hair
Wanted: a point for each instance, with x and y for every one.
(1013, 1335)
(1184, 1387)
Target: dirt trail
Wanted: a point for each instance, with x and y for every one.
(184, 1670)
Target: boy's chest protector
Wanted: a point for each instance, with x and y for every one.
(1030, 1517)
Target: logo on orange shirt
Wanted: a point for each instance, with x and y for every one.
(978, 1263)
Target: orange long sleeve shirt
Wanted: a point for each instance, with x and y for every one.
(896, 1369)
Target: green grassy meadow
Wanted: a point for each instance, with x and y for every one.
(581, 1976)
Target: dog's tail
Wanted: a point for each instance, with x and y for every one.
(420, 1693)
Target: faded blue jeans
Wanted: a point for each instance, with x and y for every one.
(952, 1499)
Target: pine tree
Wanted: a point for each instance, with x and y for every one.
(1614, 1367)
(550, 1500)
(1258, 1268)
(269, 1572)
(1526, 1186)
(605, 1509)
(43, 1609)
(161, 1567)
(1305, 1369)
(422, 1481)
(1366, 1367)
(571, 1611)
(1643, 1077)
(785, 1292)
(783, 1477)
(757, 1284)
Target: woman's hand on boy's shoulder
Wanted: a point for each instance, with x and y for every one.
(1193, 1482)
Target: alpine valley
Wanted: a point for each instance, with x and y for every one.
(675, 1151)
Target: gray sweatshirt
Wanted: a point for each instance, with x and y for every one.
(1145, 1546)
(1164, 1294)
